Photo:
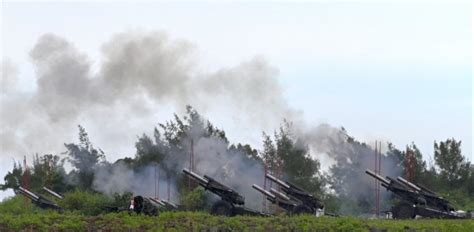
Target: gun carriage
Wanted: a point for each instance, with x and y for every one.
(416, 199)
(39, 200)
(291, 198)
(231, 202)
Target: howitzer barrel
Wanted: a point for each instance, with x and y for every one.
(53, 193)
(156, 201)
(409, 184)
(29, 194)
(378, 177)
(279, 194)
(424, 188)
(278, 181)
(195, 176)
(226, 193)
(39, 200)
(169, 204)
(263, 191)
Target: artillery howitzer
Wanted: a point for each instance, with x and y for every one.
(231, 202)
(160, 203)
(417, 200)
(304, 203)
(281, 200)
(53, 193)
(39, 200)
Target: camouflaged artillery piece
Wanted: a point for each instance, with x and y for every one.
(418, 200)
(231, 202)
(295, 199)
(278, 199)
(39, 200)
(164, 204)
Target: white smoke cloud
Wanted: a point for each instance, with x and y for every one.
(9, 76)
(352, 159)
(119, 178)
(140, 75)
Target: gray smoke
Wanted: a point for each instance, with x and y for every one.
(9, 76)
(350, 160)
(232, 168)
(119, 178)
(213, 156)
(139, 75)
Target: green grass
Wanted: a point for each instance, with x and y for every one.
(198, 221)
(82, 214)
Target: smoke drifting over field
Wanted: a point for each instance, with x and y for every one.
(351, 159)
(213, 157)
(138, 73)
(119, 178)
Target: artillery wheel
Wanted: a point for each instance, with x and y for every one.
(302, 209)
(403, 211)
(222, 208)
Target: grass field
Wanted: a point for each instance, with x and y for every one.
(196, 221)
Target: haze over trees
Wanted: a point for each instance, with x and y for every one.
(344, 187)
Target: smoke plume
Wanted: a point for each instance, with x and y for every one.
(139, 75)
(213, 156)
(350, 159)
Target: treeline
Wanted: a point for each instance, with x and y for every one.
(283, 153)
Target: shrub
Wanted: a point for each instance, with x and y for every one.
(199, 221)
(17, 205)
(194, 199)
(85, 202)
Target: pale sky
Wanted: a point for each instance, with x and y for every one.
(399, 72)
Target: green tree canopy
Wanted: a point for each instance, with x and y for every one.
(454, 169)
(84, 158)
(291, 157)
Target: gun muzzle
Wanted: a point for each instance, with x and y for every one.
(279, 194)
(409, 184)
(377, 176)
(29, 194)
(263, 191)
(169, 204)
(53, 193)
(195, 176)
(156, 202)
(278, 181)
